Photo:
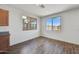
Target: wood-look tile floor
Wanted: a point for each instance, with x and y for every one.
(42, 45)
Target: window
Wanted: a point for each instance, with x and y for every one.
(49, 24)
(53, 23)
(29, 23)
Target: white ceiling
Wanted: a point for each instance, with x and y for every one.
(49, 8)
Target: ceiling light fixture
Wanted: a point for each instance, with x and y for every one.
(41, 5)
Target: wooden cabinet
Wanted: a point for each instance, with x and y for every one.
(3, 17)
(4, 43)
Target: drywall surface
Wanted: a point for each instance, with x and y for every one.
(17, 35)
(69, 27)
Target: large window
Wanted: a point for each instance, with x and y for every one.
(29, 23)
(54, 23)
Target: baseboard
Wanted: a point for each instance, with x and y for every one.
(64, 43)
(68, 47)
(61, 41)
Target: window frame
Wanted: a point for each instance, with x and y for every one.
(52, 23)
(28, 25)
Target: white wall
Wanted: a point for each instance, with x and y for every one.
(17, 35)
(69, 29)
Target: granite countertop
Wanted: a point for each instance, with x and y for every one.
(4, 33)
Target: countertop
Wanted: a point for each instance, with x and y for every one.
(4, 33)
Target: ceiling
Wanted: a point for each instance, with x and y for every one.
(49, 8)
